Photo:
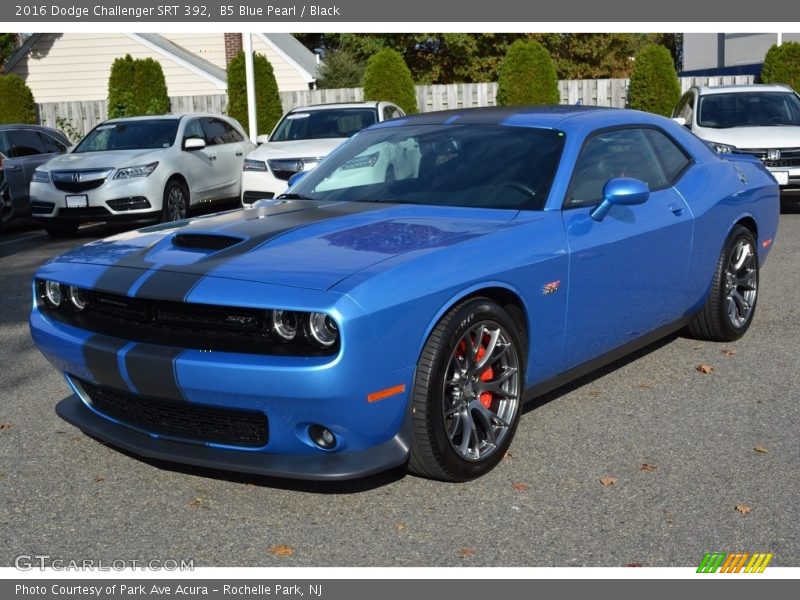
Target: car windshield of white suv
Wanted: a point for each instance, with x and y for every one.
(320, 124)
(147, 134)
(478, 166)
(749, 109)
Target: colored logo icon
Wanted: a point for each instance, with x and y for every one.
(734, 562)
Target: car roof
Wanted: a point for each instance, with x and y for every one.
(553, 116)
(165, 117)
(338, 105)
(705, 90)
(42, 128)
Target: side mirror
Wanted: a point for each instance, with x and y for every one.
(680, 120)
(621, 191)
(194, 144)
(297, 177)
(262, 139)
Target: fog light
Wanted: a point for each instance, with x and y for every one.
(322, 437)
(78, 297)
(285, 324)
(53, 293)
(323, 329)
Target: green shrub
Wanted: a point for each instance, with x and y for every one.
(654, 85)
(387, 77)
(341, 69)
(782, 65)
(150, 88)
(527, 76)
(16, 101)
(120, 87)
(136, 87)
(268, 101)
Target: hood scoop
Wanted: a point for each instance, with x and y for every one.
(204, 241)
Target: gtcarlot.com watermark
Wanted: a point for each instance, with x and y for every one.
(42, 562)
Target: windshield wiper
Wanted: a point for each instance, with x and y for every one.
(292, 196)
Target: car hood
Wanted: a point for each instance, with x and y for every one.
(102, 160)
(296, 149)
(755, 137)
(297, 243)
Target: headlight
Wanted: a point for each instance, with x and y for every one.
(138, 171)
(254, 165)
(40, 177)
(360, 162)
(285, 324)
(77, 297)
(53, 293)
(323, 329)
(722, 148)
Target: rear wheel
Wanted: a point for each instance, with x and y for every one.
(176, 202)
(731, 303)
(467, 394)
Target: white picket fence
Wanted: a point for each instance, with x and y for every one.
(83, 116)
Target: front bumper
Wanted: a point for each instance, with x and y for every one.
(294, 393)
(792, 175)
(257, 185)
(115, 200)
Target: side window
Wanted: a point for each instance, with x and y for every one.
(193, 129)
(232, 134)
(681, 106)
(220, 132)
(390, 112)
(5, 146)
(51, 144)
(672, 159)
(24, 143)
(610, 154)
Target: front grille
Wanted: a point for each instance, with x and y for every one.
(134, 203)
(182, 420)
(791, 162)
(79, 180)
(41, 208)
(91, 212)
(201, 241)
(184, 324)
(250, 197)
(286, 167)
(789, 157)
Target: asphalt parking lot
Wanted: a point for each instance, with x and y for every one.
(649, 462)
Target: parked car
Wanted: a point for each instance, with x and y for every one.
(22, 149)
(141, 169)
(337, 331)
(759, 120)
(301, 139)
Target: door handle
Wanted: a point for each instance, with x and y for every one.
(676, 208)
(240, 153)
(13, 168)
(212, 158)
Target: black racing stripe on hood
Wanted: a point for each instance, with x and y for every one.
(100, 355)
(118, 278)
(151, 370)
(165, 284)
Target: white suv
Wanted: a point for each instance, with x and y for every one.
(760, 120)
(140, 169)
(301, 139)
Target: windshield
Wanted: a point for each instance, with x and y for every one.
(319, 124)
(748, 109)
(481, 166)
(130, 135)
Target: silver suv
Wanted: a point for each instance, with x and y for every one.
(140, 169)
(760, 120)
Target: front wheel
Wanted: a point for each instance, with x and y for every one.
(467, 393)
(731, 304)
(176, 202)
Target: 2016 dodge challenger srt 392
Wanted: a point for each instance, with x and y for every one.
(365, 320)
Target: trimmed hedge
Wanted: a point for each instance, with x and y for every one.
(654, 85)
(16, 101)
(527, 76)
(782, 65)
(268, 101)
(137, 87)
(387, 77)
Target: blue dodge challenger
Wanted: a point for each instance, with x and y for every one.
(402, 300)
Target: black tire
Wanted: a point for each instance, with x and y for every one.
(450, 393)
(176, 201)
(731, 303)
(6, 206)
(61, 230)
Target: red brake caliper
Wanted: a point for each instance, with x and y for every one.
(488, 373)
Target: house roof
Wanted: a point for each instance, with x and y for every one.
(285, 44)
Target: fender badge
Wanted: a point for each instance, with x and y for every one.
(551, 288)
